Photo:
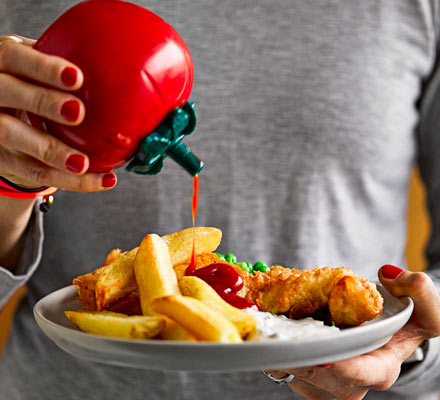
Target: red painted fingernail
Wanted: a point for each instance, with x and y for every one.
(108, 180)
(70, 110)
(69, 76)
(75, 163)
(325, 366)
(390, 271)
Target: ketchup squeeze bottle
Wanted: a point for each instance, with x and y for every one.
(138, 76)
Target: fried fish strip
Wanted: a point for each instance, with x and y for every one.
(351, 300)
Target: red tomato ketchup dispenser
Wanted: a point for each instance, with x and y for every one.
(138, 75)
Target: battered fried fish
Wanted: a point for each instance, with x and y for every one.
(351, 300)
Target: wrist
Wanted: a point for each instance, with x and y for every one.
(15, 215)
(12, 190)
(10, 184)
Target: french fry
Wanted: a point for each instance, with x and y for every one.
(117, 280)
(180, 243)
(204, 323)
(154, 272)
(199, 289)
(108, 323)
(173, 331)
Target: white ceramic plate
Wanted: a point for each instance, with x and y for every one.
(169, 355)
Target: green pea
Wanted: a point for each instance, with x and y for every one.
(261, 266)
(231, 258)
(244, 266)
(220, 256)
(251, 267)
(258, 265)
(265, 269)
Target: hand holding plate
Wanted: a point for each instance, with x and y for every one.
(379, 369)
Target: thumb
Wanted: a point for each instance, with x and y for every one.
(420, 287)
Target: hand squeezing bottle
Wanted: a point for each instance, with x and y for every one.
(138, 75)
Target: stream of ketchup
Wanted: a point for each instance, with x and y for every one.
(195, 200)
(223, 278)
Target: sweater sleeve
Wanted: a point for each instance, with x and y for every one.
(29, 259)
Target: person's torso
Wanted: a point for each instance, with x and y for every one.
(306, 118)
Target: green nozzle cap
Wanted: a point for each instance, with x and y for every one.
(182, 154)
(165, 141)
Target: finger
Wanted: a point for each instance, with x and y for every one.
(26, 41)
(25, 61)
(352, 378)
(309, 391)
(20, 137)
(376, 370)
(421, 289)
(57, 106)
(27, 171)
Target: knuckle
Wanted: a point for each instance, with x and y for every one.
(6, 54)
(419, 281)
(388, 379)
(383, 385)
(49, 151)
(87, 184)
(44, 68)
(354, 379)
(4, 128)
(39, 175)
(4, 137)
(386, 383)
(82, 185)
(3, 158)
(5, 85)
(39, 102)
(7, 130)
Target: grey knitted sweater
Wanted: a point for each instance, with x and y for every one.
(311, 115)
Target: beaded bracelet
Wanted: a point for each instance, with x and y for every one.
(10, 189)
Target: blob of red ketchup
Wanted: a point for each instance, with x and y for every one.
(232, 298)
(225, 280)
(220, 274)
(136, 70)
